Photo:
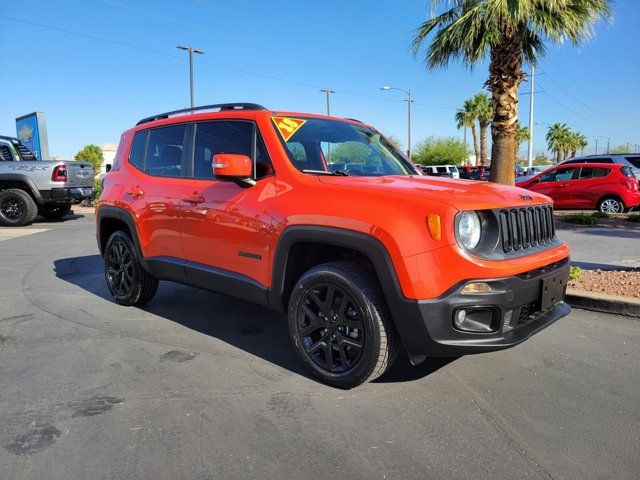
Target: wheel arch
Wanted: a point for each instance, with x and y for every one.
(610, 195)
(22, 182)
(288, 261)
(110, 219)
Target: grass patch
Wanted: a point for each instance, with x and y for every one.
(574, 273)
(634, 217)
(601, 215)
(580, 219)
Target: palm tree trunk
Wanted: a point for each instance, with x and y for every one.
(483, 143)
(474, 133)
(558, 153)
(505, 75)
(565, 155)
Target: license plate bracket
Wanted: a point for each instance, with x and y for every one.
(552, 291)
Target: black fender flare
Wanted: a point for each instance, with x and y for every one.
(108, 211)
(19, 177)
(370, 246)
(404, 313)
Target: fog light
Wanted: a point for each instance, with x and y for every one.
(461, 316)
(476, 287)
(476, 319)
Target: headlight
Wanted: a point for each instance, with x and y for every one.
(469, 230)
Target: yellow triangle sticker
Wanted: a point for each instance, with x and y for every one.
(287, 126)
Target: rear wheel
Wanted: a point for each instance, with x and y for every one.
(611, 205)
(128, 282)
(339, 325)
(54, 212)
(17, 208)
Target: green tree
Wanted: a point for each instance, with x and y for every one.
(522, 135)
(466, 117)
(621, 149)
(510, 33)
(441, 151)
(91, 154)
(541, 159)
(484, 114)
(353, 152)
(557, 139)
(394, 141)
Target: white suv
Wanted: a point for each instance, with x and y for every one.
(450, 171)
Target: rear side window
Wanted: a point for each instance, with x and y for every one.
(635, 161)
(136, 154)
(227, 137)
(165, 150)
(591, 172)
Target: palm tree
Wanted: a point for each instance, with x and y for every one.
(522, 134)
(581, 143)
(557, 139)
(466, 117)
(484, 114)
(510, 32)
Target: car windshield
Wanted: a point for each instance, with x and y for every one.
(332, 147)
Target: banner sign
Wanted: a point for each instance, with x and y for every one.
(31, 130)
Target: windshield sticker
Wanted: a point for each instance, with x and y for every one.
(287, 126)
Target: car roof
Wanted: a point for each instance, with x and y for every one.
(226, 110)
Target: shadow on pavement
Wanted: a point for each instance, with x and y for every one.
(256, 329)
(70, 217)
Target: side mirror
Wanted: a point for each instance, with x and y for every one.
(234, 167)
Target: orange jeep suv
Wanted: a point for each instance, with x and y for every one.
(325, 219)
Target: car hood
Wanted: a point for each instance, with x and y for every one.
(459, 194)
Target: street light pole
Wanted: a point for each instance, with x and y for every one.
(596, 145)
(328, 91)
(409, 101)
(191, 51)
(530, 149)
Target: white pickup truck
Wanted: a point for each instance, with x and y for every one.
(29, 186)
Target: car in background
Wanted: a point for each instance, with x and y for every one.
(588, 186)
(450, 171)
(626, 159)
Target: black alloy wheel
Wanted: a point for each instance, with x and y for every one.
(12, 208)
(330, 327)
(119, 264)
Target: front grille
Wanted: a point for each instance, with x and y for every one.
(526, 227)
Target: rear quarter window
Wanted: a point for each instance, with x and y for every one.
(594, 172)
(136, 154)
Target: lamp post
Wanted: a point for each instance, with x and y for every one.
(409, 102)
(191, 51)
(328, 91)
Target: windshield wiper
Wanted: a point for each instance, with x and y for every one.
(325, 172)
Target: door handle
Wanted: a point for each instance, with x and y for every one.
(195, 199)
(136, 192)
(564, 185)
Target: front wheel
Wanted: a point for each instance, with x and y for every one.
(128, 282)
(54, 212)
(611, 205)
(339, 325)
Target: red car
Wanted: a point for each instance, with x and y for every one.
(588, 186)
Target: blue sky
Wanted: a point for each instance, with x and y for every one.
(92, 90)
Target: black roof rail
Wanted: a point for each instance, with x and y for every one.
(356, 120)
(219, 106)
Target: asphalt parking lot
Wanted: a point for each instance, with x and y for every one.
(197, 385)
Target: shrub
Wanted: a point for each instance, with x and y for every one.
(634, 217)
(601, 215)
(580, 219)
(574, 273)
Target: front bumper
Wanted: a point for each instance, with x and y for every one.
(518, 305)
(68, 195)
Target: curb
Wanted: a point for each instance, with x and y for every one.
(600, 302)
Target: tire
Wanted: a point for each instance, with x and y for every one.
(54, 212)
(17, 208)
(611, 205)
(128, 282)
(339, 325)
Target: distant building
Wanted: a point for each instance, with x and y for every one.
(109, 155)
